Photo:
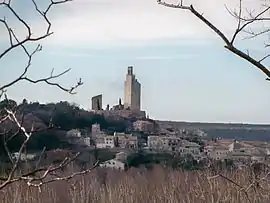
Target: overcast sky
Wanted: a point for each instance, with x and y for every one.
(185, 72)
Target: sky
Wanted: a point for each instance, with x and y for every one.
(185, 72)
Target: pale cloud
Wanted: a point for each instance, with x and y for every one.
(75, 54)
(158, 57)
(129, 21)
(108, 56)
(103, 22)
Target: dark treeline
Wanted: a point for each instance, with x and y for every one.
(52, 120)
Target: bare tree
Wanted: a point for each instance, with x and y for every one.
(40, 175)
(16, 43)
(247, 24)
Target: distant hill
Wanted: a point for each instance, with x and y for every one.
(224, 130)
(205, 126)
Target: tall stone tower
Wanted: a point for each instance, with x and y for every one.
(132, 97)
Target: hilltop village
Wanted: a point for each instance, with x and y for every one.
(150, 137)
(145, 134)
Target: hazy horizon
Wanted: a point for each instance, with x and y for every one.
(185, 72)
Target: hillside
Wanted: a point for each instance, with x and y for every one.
(55, 119)
(52, 121)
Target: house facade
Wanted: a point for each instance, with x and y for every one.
(172, 144)
(126, 140)
(105, 142)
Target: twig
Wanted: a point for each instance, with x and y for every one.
(241, 188)
(30, 38)
(229, 45)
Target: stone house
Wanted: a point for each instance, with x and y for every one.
(172, 144)
(74, 133)
(118, 163)
(241, 147)
(114, 164)
(87, 141)
(118, 140)
(95, 130)
(123, 140)
(239, 151)
(161, 143)
(75, 137)
(217, 151)
(105, 142)
(187, 147)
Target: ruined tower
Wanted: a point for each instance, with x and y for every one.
(132, 95)
(97, 102)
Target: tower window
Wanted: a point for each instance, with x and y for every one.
(130, 70)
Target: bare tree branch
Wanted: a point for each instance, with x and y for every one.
(265, 57)
(29, 38)
(34, 180)
(8, 29)
(239, 28)
(28, 28)
(50, 170)
(229, 44)
(32, 177)
(241, 188)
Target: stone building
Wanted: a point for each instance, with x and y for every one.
(118, 140)
(217, 151)
(132, 94)
(95, 130)
(73, 133)
(172, 144)
(105, 142)
(123, 140)
(187, 147)
(118, 163)
(97, 103)
(113, 164)
(234, 150)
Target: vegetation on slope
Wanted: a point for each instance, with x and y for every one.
(158, 185)
(51, 122)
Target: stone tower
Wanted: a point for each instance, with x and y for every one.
(132, 95)
(97, 102)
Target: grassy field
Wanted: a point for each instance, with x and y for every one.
(159, 185)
